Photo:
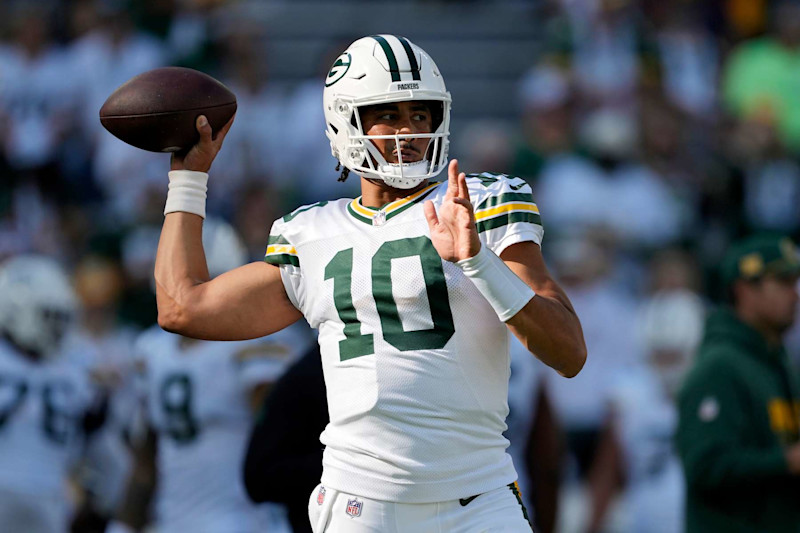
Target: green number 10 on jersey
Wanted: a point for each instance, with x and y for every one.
(356, 344)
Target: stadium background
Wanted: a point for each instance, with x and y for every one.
(653, 133)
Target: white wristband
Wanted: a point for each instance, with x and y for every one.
(187, 192)
(504, 291)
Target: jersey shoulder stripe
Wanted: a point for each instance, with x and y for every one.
(487, 184)
(280, 248)
(280, 251)
(503, 200)
(507, 219)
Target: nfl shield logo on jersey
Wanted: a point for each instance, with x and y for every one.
(321, 496)
(354, 507)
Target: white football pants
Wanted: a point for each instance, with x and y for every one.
(499, 510)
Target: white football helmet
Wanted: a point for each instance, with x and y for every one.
(672, 325)
(673, 320)
(37, 303)
(223, 246)
(383, 69)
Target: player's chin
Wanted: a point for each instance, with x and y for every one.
(411, 157)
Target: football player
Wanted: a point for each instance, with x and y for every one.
(200, 403)
(535, 438)
(636, 452)
(413, 287)
(46, 403)
(103, 347)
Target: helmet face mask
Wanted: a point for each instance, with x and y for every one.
(385, 69)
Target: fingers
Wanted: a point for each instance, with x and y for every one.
(463, 191)
(467, 207)
(200, 156)
(176, 161)
(456, 182)
(430, 214)
(463, 201)
(204, 129)
(452, 179)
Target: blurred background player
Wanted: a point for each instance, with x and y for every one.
(201, 399)
(739, 429)
(46, 401)
(636, 454)
(536, 442)
(103, 347)
(584, 265)
(284, 456)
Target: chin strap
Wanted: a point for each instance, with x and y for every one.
(405, 176)
(390, 174)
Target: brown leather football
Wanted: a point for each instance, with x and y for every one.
(157, 110)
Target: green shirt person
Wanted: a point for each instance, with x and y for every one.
(740, 404)
(761, 78)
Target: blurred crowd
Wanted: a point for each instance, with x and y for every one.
(653, 134)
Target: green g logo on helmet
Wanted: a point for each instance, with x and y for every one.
(339, 69)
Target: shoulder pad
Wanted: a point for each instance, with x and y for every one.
(498, 182)
(302, 209)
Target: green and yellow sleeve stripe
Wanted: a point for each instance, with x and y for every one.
(281, 252)
(505, 209)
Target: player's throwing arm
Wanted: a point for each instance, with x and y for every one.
(246, 302)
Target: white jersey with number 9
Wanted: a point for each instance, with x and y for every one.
(197, 394)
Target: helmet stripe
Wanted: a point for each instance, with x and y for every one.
(412, 59)
(387, 49)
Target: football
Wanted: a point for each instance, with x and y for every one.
(157, 110)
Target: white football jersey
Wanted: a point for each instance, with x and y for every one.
(415, 359)
(646, 421)
(107, 359)
(198, 404)
(42, 407)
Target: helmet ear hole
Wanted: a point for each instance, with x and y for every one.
(357, 156)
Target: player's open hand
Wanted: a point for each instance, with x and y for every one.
(453, 231)
(200, 156)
